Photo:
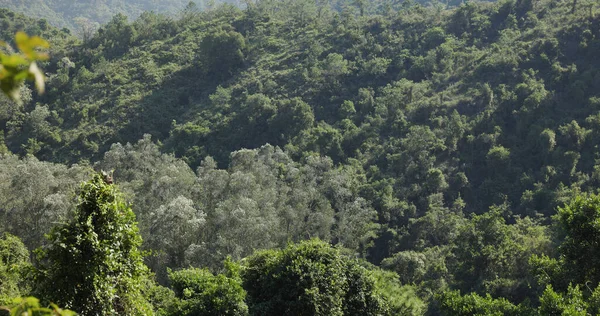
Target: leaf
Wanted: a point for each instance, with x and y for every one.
(28, 46)
(13, 61)
(16, 68)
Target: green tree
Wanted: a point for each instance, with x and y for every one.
(173, 228)
(580, 250)
(491, 256)
(397, 299)
(452, 303)
(14, 263)
(116, 36)
(203, 293)
(92, 264)
(222, 53)
(312, 278)
(293, 116)
(37, 194)
(569, 304)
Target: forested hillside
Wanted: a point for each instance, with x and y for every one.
(86, 16)
(454, 146)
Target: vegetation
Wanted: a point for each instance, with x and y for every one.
(202, 293)
(31, 306)
(312, 279)
(307, 158)
(14, 263)
(15, 68)
(84, 17)
(92, 264)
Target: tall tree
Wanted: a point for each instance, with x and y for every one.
(92, 264)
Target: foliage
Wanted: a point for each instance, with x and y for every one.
(571, 304)
(14, 265)
(36, 195)
(492, 257)
(31, 306)
(203, 293)
(397, 299)
(452, 303)
(312, 278)
(81, 16)
(163, 299)
(579, 220)
(434, 141)
(93, 264)
(262, 200)
(15, 68)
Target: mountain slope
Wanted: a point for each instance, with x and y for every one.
(79, 15)
(463, 129)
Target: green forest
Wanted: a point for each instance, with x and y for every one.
(300, 157)
(85, 16)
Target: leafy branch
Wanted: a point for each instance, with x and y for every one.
(18, 67)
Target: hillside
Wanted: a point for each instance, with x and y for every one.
(84, 16)
(427, 104)
(436, 142)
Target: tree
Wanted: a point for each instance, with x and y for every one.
(491, 256)
(222, 53)
(293, 116)
(92, 263)
(203, 293)
(173, 228)
(313, 278)
(116, 36)
(34, 195)
(580, 249)
(397, 299)
(14, 262)
(571, 304)
(452, 303)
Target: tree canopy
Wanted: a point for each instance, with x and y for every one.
(317, 157)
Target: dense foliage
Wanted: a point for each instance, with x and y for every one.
(14, 263)
(85, 16)
(92, 264)
(203, 293)
(453, 147)
(312, 278)
(15, 68)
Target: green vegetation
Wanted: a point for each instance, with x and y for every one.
(308, 279)
(31, 306)
(15, 68)
(305, 158)
(92, 264)
(84, 16)
(202, 293)
(14, 262)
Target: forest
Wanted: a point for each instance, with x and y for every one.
(300, 157)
